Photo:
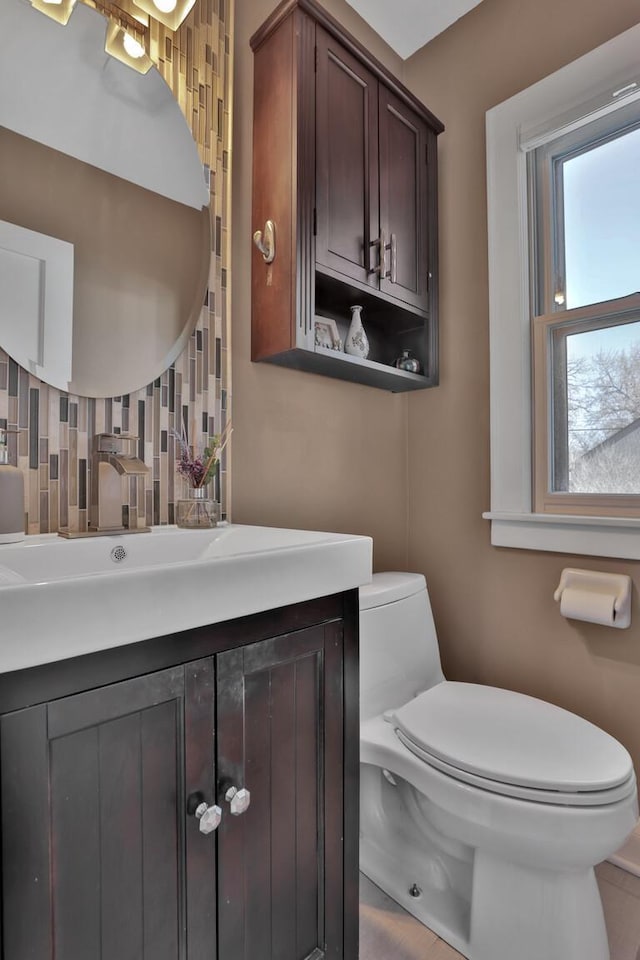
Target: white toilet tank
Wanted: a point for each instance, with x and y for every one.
(399, 654)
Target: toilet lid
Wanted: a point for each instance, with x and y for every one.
(503, 736)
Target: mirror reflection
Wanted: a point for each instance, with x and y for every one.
(98, 169)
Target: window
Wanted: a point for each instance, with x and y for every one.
(564, 265)
(584, 250)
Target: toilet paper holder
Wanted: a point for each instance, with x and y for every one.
(596, 589)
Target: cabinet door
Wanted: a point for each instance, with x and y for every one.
(280, 734)
(99, 857)
(403, 200)
(346, 163)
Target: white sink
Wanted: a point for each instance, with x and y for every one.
(62, 598)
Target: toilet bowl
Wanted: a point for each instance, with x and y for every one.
(482, 811)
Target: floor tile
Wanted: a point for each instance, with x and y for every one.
(442, 951)
(387, 931)
(622, 916)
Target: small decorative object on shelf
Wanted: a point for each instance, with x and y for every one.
(326, 334)
(407, 362)
(357, 344)
(199, 509)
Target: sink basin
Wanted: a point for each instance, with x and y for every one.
(63, 598)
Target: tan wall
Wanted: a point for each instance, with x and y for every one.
(308, 451)
(494, 608)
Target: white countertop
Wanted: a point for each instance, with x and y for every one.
(63, 598)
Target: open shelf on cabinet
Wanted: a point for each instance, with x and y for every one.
(375, 374)
(390, 328)
(342, 366)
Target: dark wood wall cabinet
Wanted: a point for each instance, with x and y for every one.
(115, 765)
(345, 167)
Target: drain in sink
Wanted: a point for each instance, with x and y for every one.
(118, 554)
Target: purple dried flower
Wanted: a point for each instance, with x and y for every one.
(191, 468)
(196, 470)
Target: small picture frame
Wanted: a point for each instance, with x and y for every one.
(326, 334)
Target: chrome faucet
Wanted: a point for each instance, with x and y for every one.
(114, 456)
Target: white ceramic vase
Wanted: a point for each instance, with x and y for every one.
(357, 343)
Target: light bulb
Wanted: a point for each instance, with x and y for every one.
(132, 46)
(56, 2)
(172, 13)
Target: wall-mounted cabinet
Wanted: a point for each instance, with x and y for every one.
(345, 165)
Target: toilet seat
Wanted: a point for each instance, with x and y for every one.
(508, 743)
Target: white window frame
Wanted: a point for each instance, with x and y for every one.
(588, 87)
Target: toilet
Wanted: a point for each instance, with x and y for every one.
(482, 811)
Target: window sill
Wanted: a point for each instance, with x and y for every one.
(592, 536)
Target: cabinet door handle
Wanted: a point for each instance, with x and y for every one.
(238, 800)
(375, 243)
(393, 273)
(209, 817)
(383, 246)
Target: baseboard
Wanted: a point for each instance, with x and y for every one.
(628, 856)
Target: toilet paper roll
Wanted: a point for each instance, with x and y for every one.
(587, 605)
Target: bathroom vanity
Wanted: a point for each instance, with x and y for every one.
(114, 755)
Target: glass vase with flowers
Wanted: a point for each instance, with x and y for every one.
(199, 509)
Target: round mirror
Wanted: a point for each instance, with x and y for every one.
(104, 222)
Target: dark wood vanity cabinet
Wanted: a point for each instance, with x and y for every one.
(351, 186)
(99, 859)
(280, 721)
(102, 855)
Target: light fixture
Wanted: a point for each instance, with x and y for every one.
(171, 13)
(127, 46)
(126, 26)
(58, 10)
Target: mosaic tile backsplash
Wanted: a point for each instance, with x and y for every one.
(51, 432)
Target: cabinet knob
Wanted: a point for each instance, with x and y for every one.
(239, 800)
(209, 817)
